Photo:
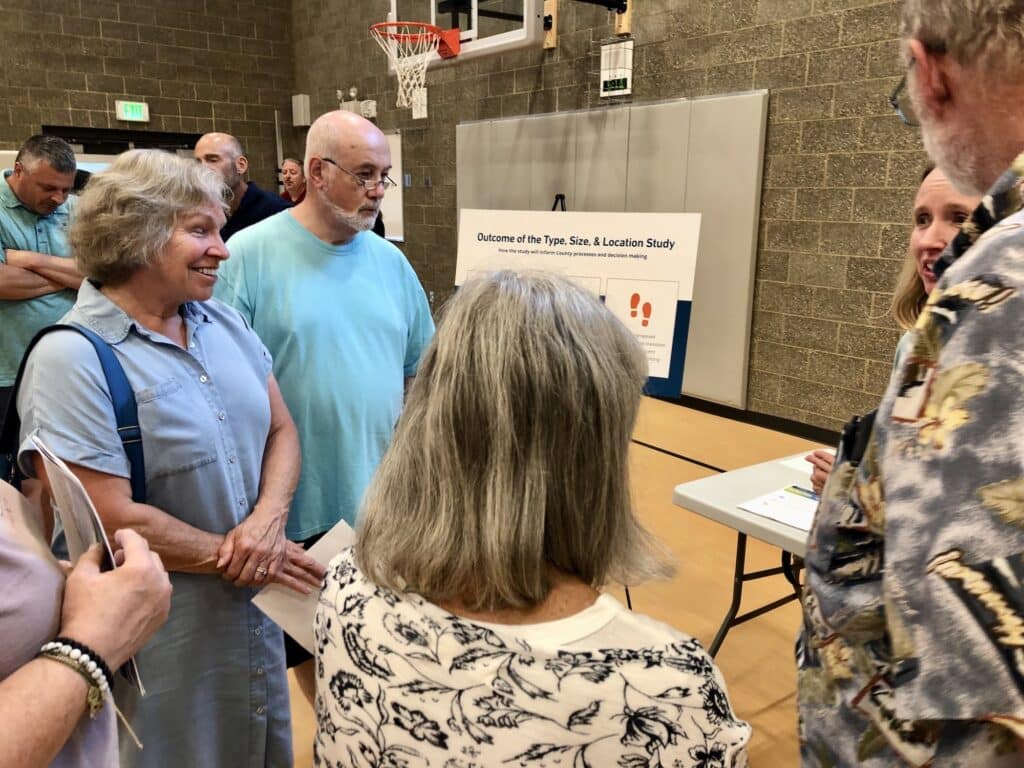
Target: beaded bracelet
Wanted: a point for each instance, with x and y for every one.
(68, 648)
(87, 663)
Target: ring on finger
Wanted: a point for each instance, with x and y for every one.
(261, 571)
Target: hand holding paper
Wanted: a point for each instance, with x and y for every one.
(295, 612)
(116, 612)
(83, 530)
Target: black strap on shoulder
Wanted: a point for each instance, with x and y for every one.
(855, 436)
(122, 397)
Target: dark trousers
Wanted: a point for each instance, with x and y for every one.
(294, 653)
(5, 395)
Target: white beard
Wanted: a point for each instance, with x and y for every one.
(360, 222)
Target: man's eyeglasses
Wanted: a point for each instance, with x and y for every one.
(900, 101)
(364, 180)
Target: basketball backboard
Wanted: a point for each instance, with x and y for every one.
(486, 26)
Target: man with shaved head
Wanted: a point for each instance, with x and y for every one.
(224, 153)
(343, 314)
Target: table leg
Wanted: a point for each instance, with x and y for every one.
(789, 569)
(737, 594)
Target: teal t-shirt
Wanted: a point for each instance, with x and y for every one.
(25, 230)
(346, 324)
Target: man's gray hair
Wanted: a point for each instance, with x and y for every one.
(127, 213)
(511, 457)
(988, 34)
(52, 150)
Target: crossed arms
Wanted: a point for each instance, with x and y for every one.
(28, 274)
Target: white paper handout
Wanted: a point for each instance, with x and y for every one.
(82, 527)
(295, 612)
(792, 505)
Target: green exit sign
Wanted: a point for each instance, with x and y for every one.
(132, 111)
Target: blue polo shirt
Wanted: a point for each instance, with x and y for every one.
(25, 230)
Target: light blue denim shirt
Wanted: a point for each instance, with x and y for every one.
(25, 230)
(214, 674)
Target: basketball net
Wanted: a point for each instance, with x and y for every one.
(409, 47)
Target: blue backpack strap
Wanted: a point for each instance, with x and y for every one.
(126, 412)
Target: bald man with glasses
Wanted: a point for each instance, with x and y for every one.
(345, 317)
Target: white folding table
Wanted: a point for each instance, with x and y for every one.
(718, 497)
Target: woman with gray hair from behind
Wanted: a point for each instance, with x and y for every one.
(221, 457)
(466, 625)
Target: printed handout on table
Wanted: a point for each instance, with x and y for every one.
(793, 505)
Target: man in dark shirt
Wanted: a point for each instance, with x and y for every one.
(223, 153)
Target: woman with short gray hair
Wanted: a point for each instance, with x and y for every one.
(221, 457)
(468, 619)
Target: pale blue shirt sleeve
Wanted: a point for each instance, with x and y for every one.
(421, 324)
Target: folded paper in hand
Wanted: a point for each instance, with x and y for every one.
(295, 612)
(82, 527)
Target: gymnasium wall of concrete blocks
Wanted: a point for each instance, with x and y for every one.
(840, 169)
(201, 65)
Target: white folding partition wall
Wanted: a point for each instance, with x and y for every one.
(688, 155)
(601, 160)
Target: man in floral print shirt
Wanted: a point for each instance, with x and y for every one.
(913, 649)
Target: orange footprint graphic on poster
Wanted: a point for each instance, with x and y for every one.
(634, 302)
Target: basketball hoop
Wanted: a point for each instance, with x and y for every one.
(409, 45)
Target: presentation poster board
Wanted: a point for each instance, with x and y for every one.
(641, 265)
(392, 207)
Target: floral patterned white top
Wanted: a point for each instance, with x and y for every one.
(402, 683)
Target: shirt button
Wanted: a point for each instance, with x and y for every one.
(232, 459)
(221, 416)
(260, 709)
(204, 378)
(191, 345)
(259, 671)
(241, 502)
(258, 631)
